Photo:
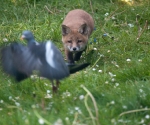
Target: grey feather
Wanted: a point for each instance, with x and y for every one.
(55, 67)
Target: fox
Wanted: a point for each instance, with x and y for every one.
(77, 27)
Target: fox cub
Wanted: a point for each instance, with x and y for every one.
(76, 30)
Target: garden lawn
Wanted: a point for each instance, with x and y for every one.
(113, 90)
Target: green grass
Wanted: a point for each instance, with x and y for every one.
(117, 81)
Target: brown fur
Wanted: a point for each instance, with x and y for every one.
(76, 29)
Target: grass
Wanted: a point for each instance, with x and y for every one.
(113, 90)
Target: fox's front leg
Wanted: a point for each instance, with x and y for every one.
(77, 55)
(69, 56)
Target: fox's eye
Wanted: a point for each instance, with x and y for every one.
(79, 41)
(69, 41)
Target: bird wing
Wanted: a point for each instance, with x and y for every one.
(24, 60)
(73, 68)
(56, 67)
(18, 61)
(8, 65)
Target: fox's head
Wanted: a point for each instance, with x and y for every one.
(75, 39)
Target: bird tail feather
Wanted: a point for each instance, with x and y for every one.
(73, 68)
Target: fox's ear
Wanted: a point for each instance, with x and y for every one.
(83, 29)
(65, 30)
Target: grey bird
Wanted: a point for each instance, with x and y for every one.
(21, 61)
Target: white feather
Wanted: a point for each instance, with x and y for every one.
(50, 54)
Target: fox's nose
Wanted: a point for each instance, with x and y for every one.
(74, 49)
